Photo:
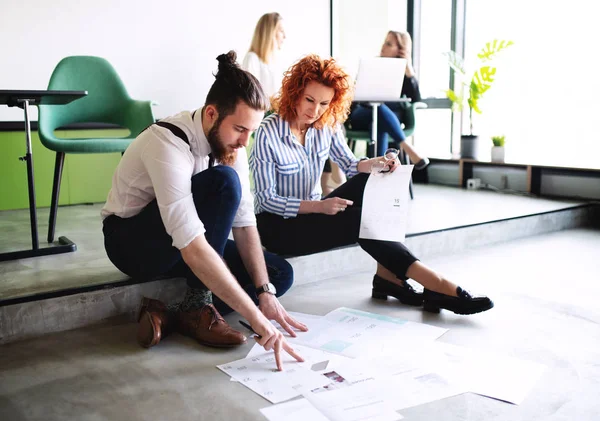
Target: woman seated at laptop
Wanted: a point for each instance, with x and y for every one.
(286, 162)
(389, 116)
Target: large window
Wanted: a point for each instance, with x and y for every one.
(433, 129)
(435, 35)
(359, 28)
(544, 99)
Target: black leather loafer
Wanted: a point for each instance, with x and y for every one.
(465, 303)
(422, 164)
(405, 293)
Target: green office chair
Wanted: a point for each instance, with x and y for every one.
(409, 122)
(107, 102)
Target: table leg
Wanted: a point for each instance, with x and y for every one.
(30, 180)
(374, 106)
(65, 245)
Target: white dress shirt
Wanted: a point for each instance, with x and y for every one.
(263, 72)
(285, 172)
(159, 165)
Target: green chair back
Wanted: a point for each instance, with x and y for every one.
(107, 102)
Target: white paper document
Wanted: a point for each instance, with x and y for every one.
(365, 366)
(385, 205)
(317, 360)
(417, 332)
(490, 374)
(313, 322)
(350, 332)
(363, 401)
(259, 374)
(355, 333)
(409, 381)
(297, 410)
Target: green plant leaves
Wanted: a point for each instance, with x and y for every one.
(457, 100)
(482, 78)
(489, 51)
(456, 62)
(498, 140)
(480, 83)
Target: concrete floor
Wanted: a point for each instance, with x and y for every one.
(545, 289)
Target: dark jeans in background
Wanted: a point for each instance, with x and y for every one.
(316, 232)
(140, 247)
(388, 122)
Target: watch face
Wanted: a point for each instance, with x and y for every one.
(270, 288)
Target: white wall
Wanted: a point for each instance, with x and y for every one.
(163, 51)
(360, 27)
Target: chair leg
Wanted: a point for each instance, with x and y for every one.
(406, 160)
(371, 152)
(352, 144)
(58, 167)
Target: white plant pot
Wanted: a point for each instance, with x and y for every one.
(497, 153)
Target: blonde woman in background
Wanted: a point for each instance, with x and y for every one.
(267, 40)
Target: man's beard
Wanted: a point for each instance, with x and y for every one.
(220, 152)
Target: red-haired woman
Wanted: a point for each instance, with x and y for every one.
(287, 160)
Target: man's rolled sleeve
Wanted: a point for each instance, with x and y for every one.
(170, 167)
(183, 226)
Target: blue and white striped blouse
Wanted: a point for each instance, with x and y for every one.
(285, 172)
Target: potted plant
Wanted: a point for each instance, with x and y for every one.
(498, 148)
(480, 82)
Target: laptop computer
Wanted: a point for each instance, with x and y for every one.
(379, 79)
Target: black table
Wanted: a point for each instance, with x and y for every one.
(23, 99)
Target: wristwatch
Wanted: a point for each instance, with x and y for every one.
(269, 287)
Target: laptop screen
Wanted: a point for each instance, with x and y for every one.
(379, 79)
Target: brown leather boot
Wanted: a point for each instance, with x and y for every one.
(208, 327)
(155, 322)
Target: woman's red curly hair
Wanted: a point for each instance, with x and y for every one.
(313, 68)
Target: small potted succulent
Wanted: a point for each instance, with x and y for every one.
(498, 148)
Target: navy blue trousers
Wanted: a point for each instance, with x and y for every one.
(140, 247)
(388, 122)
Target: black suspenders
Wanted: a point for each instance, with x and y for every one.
(174, 129)
(181, 134)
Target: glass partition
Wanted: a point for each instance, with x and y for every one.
(358, 30)
(544, 96)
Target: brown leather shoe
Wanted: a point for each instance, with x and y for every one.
(155, 322)
(208, 327)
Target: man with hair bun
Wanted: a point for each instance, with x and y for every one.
(181, 187)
